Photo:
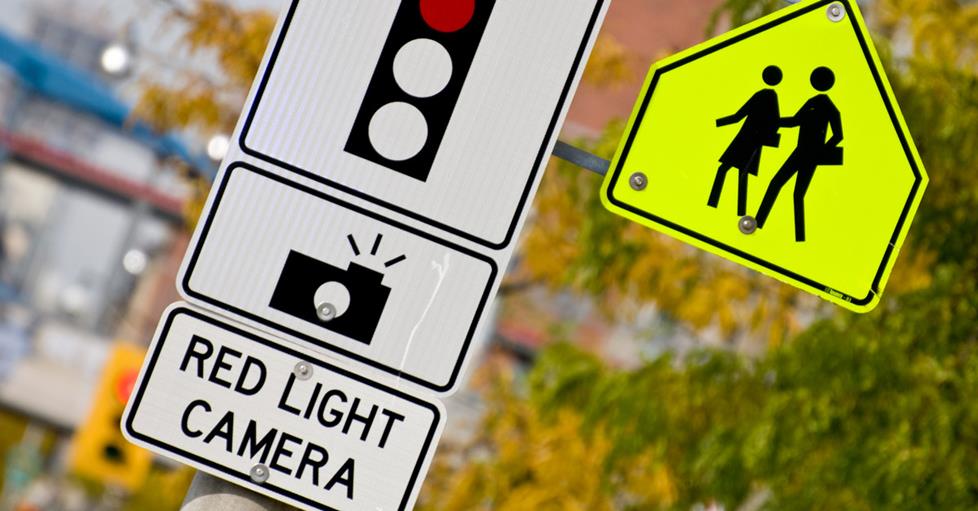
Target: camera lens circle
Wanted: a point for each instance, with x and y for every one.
(331, 301)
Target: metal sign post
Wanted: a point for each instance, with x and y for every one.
(208, 493)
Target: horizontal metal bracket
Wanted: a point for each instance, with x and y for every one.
(581, 158)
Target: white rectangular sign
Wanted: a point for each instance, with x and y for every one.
(277, 420)
(414, 300)
(453, 129)
(385, 162)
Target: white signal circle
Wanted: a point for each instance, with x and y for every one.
(398, 131)
(334, 294)
(422, 68)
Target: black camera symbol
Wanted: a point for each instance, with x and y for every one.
(349, 302)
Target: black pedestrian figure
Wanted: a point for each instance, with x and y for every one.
(761, 117)
(813, 120)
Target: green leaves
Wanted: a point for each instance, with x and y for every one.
(236, 40)
(867, 412)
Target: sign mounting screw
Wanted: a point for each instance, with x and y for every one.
(836, 12)
(302, 371)
(747, 224)
(638, 181)
(259, 473)
(326, 312)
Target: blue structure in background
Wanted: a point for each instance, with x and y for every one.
(48, 75)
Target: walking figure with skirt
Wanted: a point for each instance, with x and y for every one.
(761, 116)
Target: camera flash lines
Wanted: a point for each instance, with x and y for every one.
(373, 251)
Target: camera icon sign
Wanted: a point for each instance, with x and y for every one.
(349, 302)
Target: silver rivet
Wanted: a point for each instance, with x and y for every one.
(259, 473)
(302, 371)
(638, 181)
(836, 12)
(747, 225)
(326, 312)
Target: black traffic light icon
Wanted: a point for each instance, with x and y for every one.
(417, 83)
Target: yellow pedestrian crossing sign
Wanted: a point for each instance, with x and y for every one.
(780, 146)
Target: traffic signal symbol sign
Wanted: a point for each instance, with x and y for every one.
(417, 82)
(344, 77)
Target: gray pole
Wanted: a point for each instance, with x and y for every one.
(208, 493)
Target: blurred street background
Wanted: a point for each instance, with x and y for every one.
(625, 370)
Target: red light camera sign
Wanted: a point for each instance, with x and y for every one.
(441, 37)
(353, 242)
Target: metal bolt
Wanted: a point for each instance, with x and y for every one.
(747, 225)
(638, 181)
(302, 371)
(326, 312)
(836, 12)
(259, 473)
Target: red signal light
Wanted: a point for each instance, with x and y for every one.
(447, 15)
(125, 385)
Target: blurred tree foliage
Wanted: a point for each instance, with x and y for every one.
(209, 101)
(857, 413)
(542, 464)
(11, 432)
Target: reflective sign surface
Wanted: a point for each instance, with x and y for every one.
(779, 146)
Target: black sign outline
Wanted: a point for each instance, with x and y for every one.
(874, 290)
(194, 296)
(153, 358)
(538, 163)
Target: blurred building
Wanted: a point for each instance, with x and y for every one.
(648, 30)
(90, 200)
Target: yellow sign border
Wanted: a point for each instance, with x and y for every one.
(856, 304)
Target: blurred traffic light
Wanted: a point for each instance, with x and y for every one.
(100, 452)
